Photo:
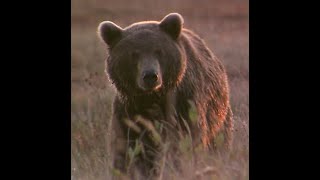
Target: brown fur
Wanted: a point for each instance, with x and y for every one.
(189, 71)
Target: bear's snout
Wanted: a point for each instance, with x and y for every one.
(149, 74)
(151, 80)
(150, 77)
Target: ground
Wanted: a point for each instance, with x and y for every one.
(223, 24)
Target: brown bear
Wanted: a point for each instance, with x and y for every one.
(160, 69)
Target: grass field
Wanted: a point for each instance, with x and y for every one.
(223, 24)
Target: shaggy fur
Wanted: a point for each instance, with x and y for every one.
(189, 72)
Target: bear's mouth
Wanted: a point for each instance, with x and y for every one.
(156, 88)
(150, 88)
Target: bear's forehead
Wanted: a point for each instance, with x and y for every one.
(146, 30)
(140, 41)
(142, 31)
(143, 36)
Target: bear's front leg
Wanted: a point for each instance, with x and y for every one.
(117, 139)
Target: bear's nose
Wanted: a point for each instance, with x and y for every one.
(150, 78)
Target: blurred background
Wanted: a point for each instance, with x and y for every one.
(223, 24)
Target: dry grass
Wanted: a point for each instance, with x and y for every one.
(223, 24)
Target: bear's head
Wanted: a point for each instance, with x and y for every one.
(145, 57)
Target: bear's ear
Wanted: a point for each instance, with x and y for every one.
(109, 32)
(172, 24)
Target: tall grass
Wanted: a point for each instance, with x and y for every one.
(222, 24)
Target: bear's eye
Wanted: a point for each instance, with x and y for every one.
(158, 52)
(135, 54)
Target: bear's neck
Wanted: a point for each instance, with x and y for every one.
(151, 106)
(139, 102)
